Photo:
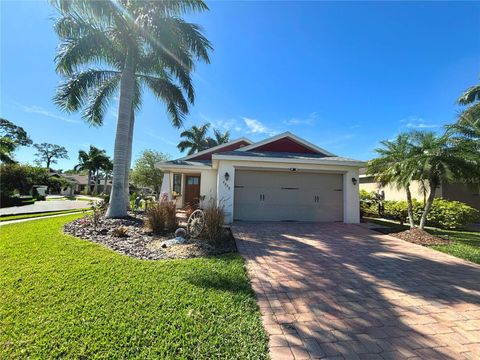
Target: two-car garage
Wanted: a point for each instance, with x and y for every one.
(290, 195)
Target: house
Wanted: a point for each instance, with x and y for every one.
(283, 178)
(455, 191)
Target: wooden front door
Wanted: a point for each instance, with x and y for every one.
(192, 190)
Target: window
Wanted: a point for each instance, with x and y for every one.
(192, 180)
(177, 183)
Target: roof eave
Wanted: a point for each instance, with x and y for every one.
(320, 161)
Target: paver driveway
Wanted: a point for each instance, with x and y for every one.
(342, 291)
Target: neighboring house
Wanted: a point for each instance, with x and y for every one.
(79, 183)
(283, 178)
(456, 191)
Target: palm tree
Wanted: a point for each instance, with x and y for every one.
(110, 47)
(394, 167)
(91, 161)
(218, 138)
(195, 139)
(441, 159)
(471, 98)
(107, 168)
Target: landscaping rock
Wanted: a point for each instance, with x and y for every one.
(141, 243)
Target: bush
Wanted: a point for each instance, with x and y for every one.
(451, 214)
(161, 217)
(214, 221)
(444, 214)
(368, 206)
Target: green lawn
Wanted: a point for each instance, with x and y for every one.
(61, 297)
(466, 245)
(35, 215)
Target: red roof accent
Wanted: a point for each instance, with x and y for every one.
(231, 147)
(285, 145)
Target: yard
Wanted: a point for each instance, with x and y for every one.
(64, 297)
(466, 243)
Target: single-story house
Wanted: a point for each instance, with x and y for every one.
(282, 178)
(469, 195)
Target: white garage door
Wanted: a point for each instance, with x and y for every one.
(288, 196)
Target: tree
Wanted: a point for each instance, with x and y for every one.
(107, 168)
(126, 46)
(394, 167)
(471, 99)
(11, 137)
(218, 138)
(49, 153)
(145, 173)
(91, 161)
(439, 159)
(195, 139)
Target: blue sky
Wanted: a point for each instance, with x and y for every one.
(342, 75)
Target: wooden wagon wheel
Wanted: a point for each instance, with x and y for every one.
(196, 223)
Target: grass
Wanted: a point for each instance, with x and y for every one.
(35, 215)
(466, 243)
(62, 297)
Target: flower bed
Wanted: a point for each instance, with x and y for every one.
(139, 242)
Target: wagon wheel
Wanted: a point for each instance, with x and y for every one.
(195, 223)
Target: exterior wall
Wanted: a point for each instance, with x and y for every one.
(208, 186)
(463, 193)
(225, 189)
(392, 193)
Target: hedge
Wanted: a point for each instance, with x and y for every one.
(444, 214)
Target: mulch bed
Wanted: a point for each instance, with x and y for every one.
(141, 243)
(420, 237)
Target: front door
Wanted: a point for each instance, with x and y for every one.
(192, 190)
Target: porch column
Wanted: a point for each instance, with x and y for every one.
(166, 190)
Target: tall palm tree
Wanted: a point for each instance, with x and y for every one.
(91, 161)
(440, 159)
(195, 139)
(218, 138)
(393, 166)
(123, 46)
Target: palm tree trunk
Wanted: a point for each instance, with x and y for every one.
(129, 160)
(95, 188)
(428, 204)
(410, 206)
(117, 208)
(89, 179)
(105, 183)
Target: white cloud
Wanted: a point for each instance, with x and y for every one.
(41, 111)
(309, 120)
(257, 127)
(223, 124)
(416, 122)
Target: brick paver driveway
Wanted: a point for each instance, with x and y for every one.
(342, 291)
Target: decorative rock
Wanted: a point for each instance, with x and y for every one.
(180, 232)
(141, 243)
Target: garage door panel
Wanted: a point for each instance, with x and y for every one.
(281, 196)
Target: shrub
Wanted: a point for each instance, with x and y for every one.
(161, 217)
(170, 211)
(214, 221)
(451, 214)
(368, 204)
(120, 231)
(444, 214)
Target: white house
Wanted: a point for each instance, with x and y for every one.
(283, 178)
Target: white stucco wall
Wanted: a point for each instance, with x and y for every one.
(208, 186)
(225, 189)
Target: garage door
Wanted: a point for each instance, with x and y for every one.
(287, 196)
